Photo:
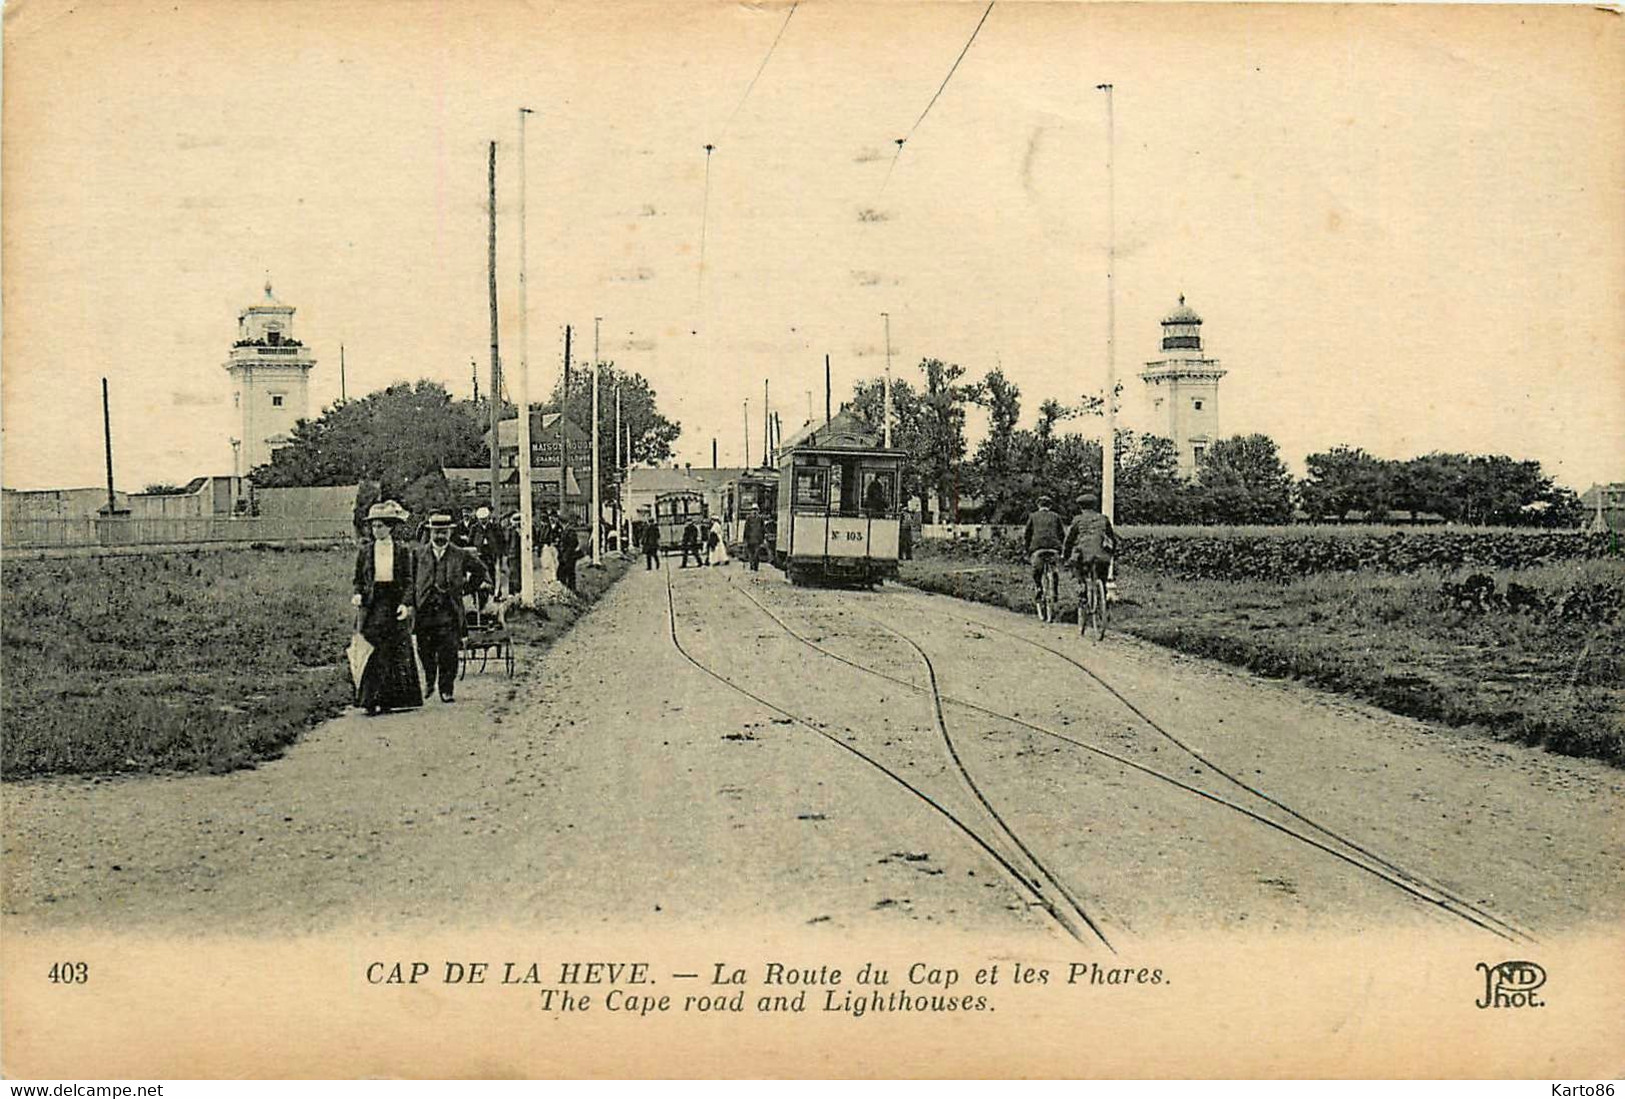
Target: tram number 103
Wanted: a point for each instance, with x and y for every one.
(849, 535)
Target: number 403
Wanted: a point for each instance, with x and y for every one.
(69, 973)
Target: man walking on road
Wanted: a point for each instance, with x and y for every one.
(443, 573)
(691, 543)
(755, 535)
(650, 536)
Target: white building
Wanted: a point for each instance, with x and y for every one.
(1182, 389)
(270, 379)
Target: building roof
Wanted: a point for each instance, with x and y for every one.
(845, 428)
(541, 424)
(659, 479)
(1182, 314)
(481, 475)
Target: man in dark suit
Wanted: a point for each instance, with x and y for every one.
(755, 535)
(691, 543)
(649, 538)
(444, 572)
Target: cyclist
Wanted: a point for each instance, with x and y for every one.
(1043, 539)
(1090, 541)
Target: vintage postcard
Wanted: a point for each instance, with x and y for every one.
(822, 539)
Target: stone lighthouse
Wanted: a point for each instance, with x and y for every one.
(270, 378)
(1182, 388)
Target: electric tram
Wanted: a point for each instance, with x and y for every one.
(752, 490)
(838, 508)
(673, 512)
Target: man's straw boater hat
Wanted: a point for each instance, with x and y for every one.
(439, 521)
(389, 511)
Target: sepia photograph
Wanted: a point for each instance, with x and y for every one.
(812, 540)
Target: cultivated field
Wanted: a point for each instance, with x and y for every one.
(204, 661)
(1402, 628)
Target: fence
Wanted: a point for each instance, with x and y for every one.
(93, 531)
(953, 532)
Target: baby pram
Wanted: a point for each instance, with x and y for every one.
(485, 636)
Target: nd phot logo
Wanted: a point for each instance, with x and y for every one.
(1511, 984)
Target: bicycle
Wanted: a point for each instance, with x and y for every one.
(1092, 599)
(1049, 586)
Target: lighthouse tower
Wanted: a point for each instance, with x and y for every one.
(270, 378)
(1182, 388)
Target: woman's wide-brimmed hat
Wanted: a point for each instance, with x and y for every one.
(389, 511)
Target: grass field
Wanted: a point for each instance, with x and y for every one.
(1388, 639)
(204, 661)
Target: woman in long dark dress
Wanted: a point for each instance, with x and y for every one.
(384, 593)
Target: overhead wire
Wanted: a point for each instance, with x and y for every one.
(938, 94)
(759, 69)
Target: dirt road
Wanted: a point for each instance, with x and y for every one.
(880, 761)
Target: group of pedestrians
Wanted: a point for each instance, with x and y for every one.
(412, 590)
(704, 542)
(402, 590)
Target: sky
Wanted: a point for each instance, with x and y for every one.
(1402, 226)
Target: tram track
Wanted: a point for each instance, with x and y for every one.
(1240, 783)
(1353, 854)
(1028, 883)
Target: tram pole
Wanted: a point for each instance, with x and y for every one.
(886, 415)
(496, 363)
(619, 508)
(527, 548)
(827, 416)
(107, 443)
(564, 403)
(597, 504)
(1108, 445)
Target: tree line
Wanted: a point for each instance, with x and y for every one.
(1241, 480)
(401, 438)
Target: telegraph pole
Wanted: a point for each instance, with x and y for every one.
(886, 416)
(496, 362)
(107, 440)
(1108, 445)
(619, 476)
(767, 428)
(826, 391)
(747, 432)
(597, 505)
(527, 549)
(564, 402)
(342, 397)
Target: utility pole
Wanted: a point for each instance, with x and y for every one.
(1108, 445)
(564, 402)
(342, 397)
(713, 452)
(619, 477)
(886, 416)
(496, 361)
(107, 440)
(826, 391)
(597, 506)
(767, 428)
(747, 432)
(527, 548)
(778, 439)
